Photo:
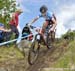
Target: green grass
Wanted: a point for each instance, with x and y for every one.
(7, 53)
(67, 60)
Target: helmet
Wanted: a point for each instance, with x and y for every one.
(43, 9)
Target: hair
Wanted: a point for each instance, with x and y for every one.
(19, 10)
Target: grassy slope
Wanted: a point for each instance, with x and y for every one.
(67, 60)
(64, 57)
(7, 53)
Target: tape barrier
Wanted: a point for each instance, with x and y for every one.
(10, 41)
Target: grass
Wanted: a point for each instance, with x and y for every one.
(7, 53)
(67, 60)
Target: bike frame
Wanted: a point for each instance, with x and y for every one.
(36, 34)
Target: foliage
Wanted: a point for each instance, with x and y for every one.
(7, 7)
(70, 35)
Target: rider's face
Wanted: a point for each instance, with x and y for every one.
(44, 13)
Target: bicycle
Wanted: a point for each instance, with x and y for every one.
(35, 47)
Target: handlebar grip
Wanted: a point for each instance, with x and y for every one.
(32, 27)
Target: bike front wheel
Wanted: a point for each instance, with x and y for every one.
(33, 52)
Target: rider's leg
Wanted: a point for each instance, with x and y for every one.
(45, 24)
(53, 35)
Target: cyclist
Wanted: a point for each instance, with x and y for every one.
(50, 19)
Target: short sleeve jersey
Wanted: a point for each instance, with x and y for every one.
(48, 16)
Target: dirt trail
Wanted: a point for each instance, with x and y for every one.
(46, 59)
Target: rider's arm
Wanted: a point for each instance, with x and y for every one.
(54, 22)
(35, 19)
(4, 30)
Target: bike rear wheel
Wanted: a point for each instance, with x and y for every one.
(33, 52)
(48, 40)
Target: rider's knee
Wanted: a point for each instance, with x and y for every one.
(45, 24)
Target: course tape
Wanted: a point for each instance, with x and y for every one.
(10, 41)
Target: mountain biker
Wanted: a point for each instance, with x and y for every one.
(50, 19)
(14, 22)
(3, 32)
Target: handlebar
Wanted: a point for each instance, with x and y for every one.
(32, 27)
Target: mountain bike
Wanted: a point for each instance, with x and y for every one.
(37, 41)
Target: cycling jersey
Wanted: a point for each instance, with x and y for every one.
(48, 16)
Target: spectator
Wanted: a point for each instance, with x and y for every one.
(3, 32)
(14, 22)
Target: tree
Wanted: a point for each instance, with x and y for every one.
(70, 35)
(7, 7)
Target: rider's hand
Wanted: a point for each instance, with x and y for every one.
(51, 30)
(29, 24)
